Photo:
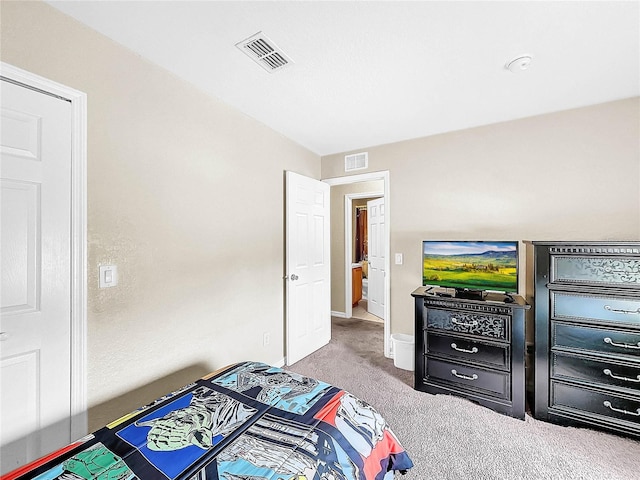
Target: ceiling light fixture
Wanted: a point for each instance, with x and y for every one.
(519, 64)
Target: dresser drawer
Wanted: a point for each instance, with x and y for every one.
(625, 311)
(615, 406)
(490, 382)
(476, 352)
(492, 326)
(597, 340)
(618, 271)
(602, 372)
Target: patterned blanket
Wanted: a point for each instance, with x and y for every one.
(249, 421)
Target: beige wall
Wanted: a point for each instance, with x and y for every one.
(565, 176)
(185, 195)
(338, 255)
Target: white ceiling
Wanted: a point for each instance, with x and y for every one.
(367, 73)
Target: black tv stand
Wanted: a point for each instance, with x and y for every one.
(472, 349)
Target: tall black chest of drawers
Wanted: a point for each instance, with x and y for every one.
(472, 348)
(587, 334)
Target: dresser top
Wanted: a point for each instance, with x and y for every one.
(591, 248)
(600, 243)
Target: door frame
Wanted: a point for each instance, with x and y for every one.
(348, 248)
(78, 234)
(368, 177)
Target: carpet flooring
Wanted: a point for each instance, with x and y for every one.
(449, 437)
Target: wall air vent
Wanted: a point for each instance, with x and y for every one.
(264, 52)
(356, 161)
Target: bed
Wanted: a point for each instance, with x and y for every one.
(248, 421)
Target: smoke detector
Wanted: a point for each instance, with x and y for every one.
(262, 50)
(519, 64)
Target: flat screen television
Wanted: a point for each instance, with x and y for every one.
(471, 266)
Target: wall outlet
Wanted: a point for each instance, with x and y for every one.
(266, 339)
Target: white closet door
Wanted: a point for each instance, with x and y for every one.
(35, 296)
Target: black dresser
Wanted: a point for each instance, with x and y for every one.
(587, 334)
(472, 348)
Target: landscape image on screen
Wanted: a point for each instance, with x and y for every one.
(471, 265)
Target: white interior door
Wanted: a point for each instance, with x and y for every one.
(308, 266)
(377, 249)
(35, 373)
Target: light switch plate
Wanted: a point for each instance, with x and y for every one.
(108, 276)
(399, 259)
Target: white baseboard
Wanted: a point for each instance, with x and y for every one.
(280, 363)
(338, 314)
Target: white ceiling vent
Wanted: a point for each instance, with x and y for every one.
(264, 52)
(356, 161)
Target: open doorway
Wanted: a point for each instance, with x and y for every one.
(348, 190)
(364, 304)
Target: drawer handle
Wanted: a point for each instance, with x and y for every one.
(467, 377)
(455, 347)
(608, 372)
(623, 345)
(619, 310)
(455, 321)
(607, 404)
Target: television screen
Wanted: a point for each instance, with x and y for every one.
(469, 265)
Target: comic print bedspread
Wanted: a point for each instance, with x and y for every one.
(249, 421)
